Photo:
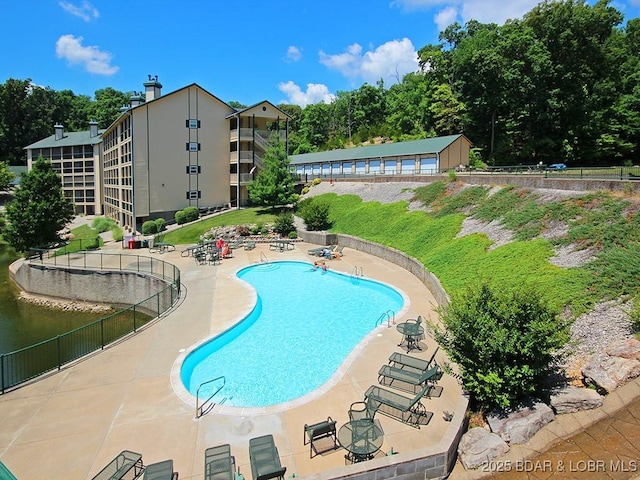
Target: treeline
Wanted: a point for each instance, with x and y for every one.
(560, 85)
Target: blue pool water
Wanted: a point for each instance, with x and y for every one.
(304, 325)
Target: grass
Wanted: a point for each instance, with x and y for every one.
(84, 238)
(191, 233)
(600, 220)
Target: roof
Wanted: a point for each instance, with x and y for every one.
(414, 147)
(246, 109)
(69, 139)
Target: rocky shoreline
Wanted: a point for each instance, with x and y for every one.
(65, 305)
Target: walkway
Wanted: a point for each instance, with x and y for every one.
(73, 422)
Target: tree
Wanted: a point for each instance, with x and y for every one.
(274, 183)
(503, 341)
(39, 209)
(6, 177)
(107, 105)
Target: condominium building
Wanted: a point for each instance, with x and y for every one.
(75, 156)
(167, 152)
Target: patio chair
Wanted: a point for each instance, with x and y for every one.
(407, 410)
(160, 471)
(219, 464)
(360, 410)
(335, 253)
(409, 380)
(321, 437)
(401, 360)
(265, 461)
(124, 463)
(5, 473)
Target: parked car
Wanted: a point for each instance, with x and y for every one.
(556, 166)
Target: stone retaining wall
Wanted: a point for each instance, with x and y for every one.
(73, 283)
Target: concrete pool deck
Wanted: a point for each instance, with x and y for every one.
(70, 424)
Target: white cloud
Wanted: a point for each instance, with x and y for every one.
(484, 11)
(85, 11)
(93, 59)
(294, 53)
(390, 61)
(316, 93)
(445, 17)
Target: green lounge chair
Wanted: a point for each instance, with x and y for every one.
(126, 462)
(402, 361)
(318, 252)
(160, 471)
(408, 410)
(265, 461)
(408, 380)
(219, 464)
(5, 473)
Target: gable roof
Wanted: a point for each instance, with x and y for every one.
(414, 147)
(69, 139)
(264, 102)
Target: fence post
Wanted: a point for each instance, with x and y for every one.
(59, 352)
(2, 372)
(102, 333)
(158, 299)
(134, 318)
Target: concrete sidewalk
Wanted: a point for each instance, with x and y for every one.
(71, 423)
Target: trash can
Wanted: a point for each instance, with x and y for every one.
(145, 243)
(132, 243)
(138, 243)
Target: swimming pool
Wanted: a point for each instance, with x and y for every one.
(302, 328)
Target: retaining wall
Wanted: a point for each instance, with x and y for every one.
(73, 283)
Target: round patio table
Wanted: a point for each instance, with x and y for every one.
(361, 438)
(411, 333)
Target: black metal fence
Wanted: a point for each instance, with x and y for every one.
(30, 362)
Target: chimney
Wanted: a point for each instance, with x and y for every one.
(136, 99)
(152, 88)
(93, 128)
(59, 129)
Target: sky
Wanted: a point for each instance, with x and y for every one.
(284, 51)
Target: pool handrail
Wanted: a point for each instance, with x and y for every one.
(200, 408)
(390, 315)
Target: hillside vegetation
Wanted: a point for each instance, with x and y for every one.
(604, 226)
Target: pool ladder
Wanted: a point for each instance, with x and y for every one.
(357, 271)
(389, 316)
(207, 405)
(263, 258)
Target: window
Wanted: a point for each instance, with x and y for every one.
(193, 194)
(193, 169)
(192, 123)
(193, 146)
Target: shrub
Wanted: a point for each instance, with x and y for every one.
(503, 341)
(284, 223)
(243, 230)
(305, 190)
(293, 235)
(117, 234)
(634, 313)
(316, 181)
(316, 216)
(102, 224)
(452, 175)
(256, 229)
(161, 224)
(191, 214)
(180, 217)
(149, 228)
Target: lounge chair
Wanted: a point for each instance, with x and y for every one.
(5, 473)
(160, 471)
(219, 464)
(319, 252)
(335, 253)
(265, 461)
(402, 361)
(408, 410)
(409, 380)
(124, 463)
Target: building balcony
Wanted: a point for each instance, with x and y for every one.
(245, 178)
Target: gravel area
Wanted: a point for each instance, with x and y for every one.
(590, 333)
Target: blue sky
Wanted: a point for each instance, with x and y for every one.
(293, 51)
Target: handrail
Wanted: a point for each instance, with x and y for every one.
(357, 271)
(263, 258)
(200, 408)
(390, 315)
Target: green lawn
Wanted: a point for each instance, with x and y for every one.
(191, 233)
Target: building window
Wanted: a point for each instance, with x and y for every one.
(193, 169)
(193, 123)
(193, 146)
(193, 194)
